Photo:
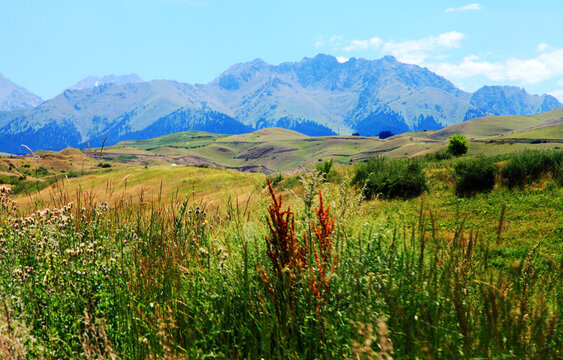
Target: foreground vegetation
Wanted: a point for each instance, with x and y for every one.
(319, 272)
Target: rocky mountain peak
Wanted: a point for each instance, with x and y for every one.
(511, 100)
(14, 97)
(95, 81)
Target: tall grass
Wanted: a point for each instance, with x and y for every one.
(396, 178)
(529, 165)
(474, 175)
(172, 280)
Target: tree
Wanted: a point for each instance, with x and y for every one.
(385, 134)
(458, 145)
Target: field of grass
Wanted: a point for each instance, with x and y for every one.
(554, 132)
(194, 262)
(139, 184)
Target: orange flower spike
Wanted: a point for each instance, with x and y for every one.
(283, 248)
(325, 229)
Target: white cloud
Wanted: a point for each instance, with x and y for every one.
(471, 58)
(432, 52)
(542, 47)
(342, 59)
(336, 38)
(545, 66)
(467, 7)
(417, 51)
(410, 51)
(355, 45)
(558, 94)
(450, 39)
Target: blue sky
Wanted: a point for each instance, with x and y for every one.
(47, 46)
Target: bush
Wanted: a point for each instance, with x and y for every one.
(324, 168)
(529, 165)
(385, 134)
(474, 176)
(458, 145)
(38, 172)
(11, 180)
(397, 178)
(291, 182)
(558, 173)
(104, 165)
(439, 155)
(274, 179)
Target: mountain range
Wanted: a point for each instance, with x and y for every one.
(315, 96)
(14, 97)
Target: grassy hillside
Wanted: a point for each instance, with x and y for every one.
(491, 126)
(273, 149)
(276, 149)
(551, 132)
(139, 184)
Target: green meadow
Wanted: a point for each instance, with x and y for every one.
(133, 261)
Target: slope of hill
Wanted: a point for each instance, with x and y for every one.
(14, 97)
(276, 149)
(499, 125)
(315, 96)
(551, 132)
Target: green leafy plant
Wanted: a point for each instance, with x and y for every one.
(325, 167)
(529, 165)
(396, 178)
(442, 155)
(474, 176)
(458, 145)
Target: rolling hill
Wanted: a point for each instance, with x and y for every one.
(277, 149)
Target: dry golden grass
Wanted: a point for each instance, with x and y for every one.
(136, 184)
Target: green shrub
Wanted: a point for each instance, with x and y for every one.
(458, 145)
(291, 182)
(443, 155)
(397, 178)
(275, 179)
(11, 180)
(28, 186)
(558, 173)
(36, 172)
(529, 165)
(104, 165)
(474, 176)
(324, 168)
(438, 155)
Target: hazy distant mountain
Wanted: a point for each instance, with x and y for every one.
(339, 96)
(83, 116)
(14, 97)
(511, 100)
(93, 81)
(315, 96)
